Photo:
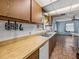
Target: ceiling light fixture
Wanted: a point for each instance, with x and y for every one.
(43, 3)
(65, 10)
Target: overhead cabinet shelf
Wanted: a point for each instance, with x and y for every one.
(20, 10)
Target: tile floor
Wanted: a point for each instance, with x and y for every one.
(65, 48)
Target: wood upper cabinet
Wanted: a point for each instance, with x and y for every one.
(4, 7)
(50, 20)
(36, 12)
(19, 9)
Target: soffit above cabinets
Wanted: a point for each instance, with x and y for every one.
(43, 3)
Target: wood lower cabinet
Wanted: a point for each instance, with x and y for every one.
(36, 12)
(52, 44)
(35, 55)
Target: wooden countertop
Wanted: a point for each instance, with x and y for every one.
(21, 48)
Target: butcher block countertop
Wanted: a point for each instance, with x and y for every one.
(22, 47)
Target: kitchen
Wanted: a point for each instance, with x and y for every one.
(39, 29)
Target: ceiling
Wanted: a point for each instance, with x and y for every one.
(43, 3)
(60, 6)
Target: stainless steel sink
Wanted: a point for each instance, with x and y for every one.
(46, 35)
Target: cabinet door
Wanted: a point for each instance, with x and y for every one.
(52, 44)
(19, 9)
(50, 20)
(36, 12)
(4, 6)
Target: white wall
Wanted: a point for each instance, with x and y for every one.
(5, 35)
(63, 18)
(66, 17)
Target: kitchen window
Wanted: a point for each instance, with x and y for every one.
(70, 27)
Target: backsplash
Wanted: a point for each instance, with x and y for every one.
(9, 34)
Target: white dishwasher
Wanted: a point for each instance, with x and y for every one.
(44, 51)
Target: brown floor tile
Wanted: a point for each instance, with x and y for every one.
(63, 49)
